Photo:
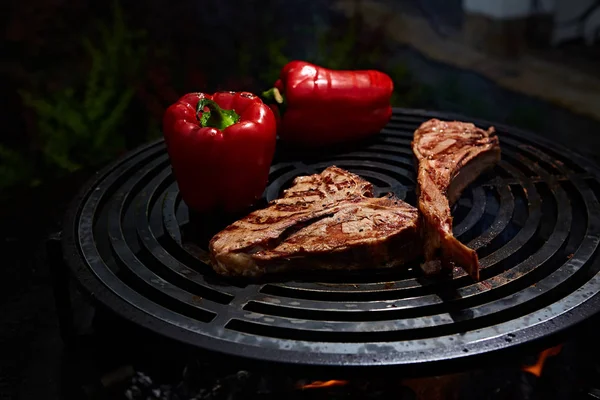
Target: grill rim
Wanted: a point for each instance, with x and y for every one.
(532, 336)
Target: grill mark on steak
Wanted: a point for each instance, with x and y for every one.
(287, 210)
(450, 155)
(344, 228)
(290, 231)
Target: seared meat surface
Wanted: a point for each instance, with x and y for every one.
(324, 221)
(450, 156)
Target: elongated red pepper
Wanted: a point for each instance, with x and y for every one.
(318, 106)
(221, 147)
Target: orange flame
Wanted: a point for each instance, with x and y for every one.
(324, 384)
(536, 369)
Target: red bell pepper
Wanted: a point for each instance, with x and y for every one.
(221, 147)
(317, 106)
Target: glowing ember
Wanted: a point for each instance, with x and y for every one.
(324, 384)
(536, 369)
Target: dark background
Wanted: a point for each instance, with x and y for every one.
(84, 82)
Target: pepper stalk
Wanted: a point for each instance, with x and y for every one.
(215, 117)
(273, 95)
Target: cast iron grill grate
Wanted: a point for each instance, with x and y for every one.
(534, 221)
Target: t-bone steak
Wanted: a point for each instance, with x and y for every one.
(326, 221)
(450, 155)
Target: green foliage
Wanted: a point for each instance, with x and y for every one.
(526, 117)
(269, 54)
(78, 126)
(336, 52)
(154, 130)
(454, 97)
(407, 92)
(14, 168)
(276, 59)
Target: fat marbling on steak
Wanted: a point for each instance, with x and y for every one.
(450, 156)
(323, 221)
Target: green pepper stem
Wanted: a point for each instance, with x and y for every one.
(273, 95)
(216, 117)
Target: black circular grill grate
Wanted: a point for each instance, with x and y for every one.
(534, 221)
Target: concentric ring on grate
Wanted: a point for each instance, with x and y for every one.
(534, 221)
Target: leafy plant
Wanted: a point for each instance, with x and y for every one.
(349, 45)
(527, 117)
(452, 96)
(78, 125)
(276, 58)
(407, 91)
(14, 168)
